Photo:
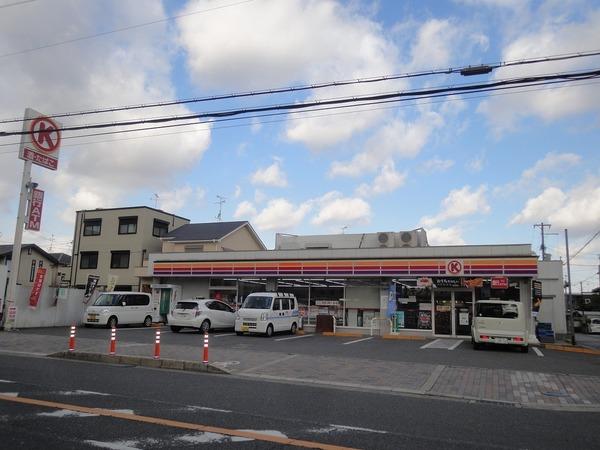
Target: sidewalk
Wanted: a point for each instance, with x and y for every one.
(519, 388)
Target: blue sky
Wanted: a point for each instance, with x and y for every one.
(469, 169)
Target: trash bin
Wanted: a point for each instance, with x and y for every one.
(324, 323)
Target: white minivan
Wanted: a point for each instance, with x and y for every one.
(121, 308)
(267, 313)
(500, 322)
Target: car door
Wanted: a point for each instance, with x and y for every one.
(286, 314)
(214, 314)
(228, 316)
(276, 314)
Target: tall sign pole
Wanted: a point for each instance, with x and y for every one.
(40, 144)
(570, 327)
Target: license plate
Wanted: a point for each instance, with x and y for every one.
(501, 340)
(245, 328)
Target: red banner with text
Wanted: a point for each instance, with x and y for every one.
(36, 290)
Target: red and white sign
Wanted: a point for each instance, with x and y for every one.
(454, 267)
(36, 290)
(41, 141)
(499, 283)
(424, 282)
(34, 213)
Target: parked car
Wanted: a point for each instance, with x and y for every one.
(201, 314)
(593, 325)
(500, 322)
(268, 312)
(113, 308)
(578, 321)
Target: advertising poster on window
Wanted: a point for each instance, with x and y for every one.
(399, 320)
(90, 287)
(36, 289)
(424, 320)
(536, 297)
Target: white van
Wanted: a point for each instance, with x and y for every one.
(267, 313)
(500, 322)
(113, 308)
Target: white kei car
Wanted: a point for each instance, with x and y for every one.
(201, 314)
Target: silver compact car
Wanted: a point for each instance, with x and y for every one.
(203, 315)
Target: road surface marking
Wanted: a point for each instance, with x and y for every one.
(431, 343)
(270, 363)
(226, 334)
(455, 345)
(295, 337)
(6, 381)
(175, 424)
(358, 340)
(368, 430)
(538, 352)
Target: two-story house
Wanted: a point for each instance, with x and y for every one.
(114, 244)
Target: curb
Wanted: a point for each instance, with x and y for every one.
(172, 364)
(405, 337)
(572, 349)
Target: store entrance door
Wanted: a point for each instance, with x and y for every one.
(442, 317)
(453, 312)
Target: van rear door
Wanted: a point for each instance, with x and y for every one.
(500, 319)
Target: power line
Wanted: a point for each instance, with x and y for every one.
(314, 86)
(585, 245)
(117, 30)
(8, 5)
(361, 100)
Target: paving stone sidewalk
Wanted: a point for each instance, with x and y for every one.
(522, 388)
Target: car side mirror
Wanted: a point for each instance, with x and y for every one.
(122, 303)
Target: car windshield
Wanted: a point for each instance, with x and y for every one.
(108, 300)
(186, 305)
(257, 302)
(497, 310)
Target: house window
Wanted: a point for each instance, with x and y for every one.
(160, 228)
(89, 260)
(119, 260)
(41, 263)
(127, 225)
(92, 227)
(32, 271)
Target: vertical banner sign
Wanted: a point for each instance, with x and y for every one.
(36, 290)
(90, 287)
(112, 282)
(391, 304)
(40, 142)
(536, 297)
(34, 212)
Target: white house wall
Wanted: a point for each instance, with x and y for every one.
(48, 314)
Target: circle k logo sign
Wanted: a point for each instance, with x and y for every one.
(454, 267)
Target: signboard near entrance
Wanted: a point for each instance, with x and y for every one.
(447, 282)
(40, 142)
(499, 282)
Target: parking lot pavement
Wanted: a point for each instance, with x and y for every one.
(438, 367)
(588, 340)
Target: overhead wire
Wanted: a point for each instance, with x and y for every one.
(364, 99)
(585, 245)
(314, 86)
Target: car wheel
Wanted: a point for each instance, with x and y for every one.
(175, 329)
(112, 322)
(476, 346)
(239, 333)
(269, 331)
(205, 327)
(294, 328)
(525, 349)
(148, 321)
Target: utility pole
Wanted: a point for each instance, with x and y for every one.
(570, 327)
(542, 225)
(220, 202)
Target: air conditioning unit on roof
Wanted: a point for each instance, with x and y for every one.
(408, 238)
(385, 239)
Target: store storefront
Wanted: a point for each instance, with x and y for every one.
(427, 290)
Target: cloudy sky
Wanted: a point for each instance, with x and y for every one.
(471, 169)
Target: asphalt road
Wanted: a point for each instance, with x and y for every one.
(547, 361)
(315, 414)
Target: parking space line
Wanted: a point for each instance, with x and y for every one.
(226, 334)
(295, 337)
(358, 340)
(538, 352)
(430, 343)
(455, 345)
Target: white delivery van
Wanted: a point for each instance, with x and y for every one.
(121, 308)
(500, 322)
(268, 313)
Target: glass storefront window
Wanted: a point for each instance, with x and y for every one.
(413, 309)
(487, 293)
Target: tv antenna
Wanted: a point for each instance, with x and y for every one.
(344, 228)
(155, 198)
(220, 202)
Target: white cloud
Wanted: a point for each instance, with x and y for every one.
(119, 69)
(577, 210)
(173, 201)
(334, 209)
(551, 161)
(387, 180)
(476, 163)
(552, 35)
(445, 236)
(396, 139)
(238, 191)
(459, 203)
(272, 175)
(280, 215)
(434, 44)
(244, 210)
(437, 165)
